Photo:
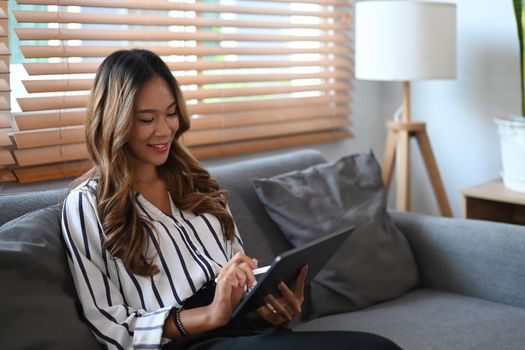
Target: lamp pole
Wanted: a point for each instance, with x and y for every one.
(397, 145)
(403, 172)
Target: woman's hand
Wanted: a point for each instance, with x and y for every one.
(232, 281)
(282, 310)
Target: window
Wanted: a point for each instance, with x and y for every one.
(256, 74)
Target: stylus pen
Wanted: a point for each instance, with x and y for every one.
(258, 271)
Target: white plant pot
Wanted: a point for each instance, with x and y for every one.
(512, 136)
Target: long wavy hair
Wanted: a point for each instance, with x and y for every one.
(110, 119)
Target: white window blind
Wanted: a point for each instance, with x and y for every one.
(256, 75)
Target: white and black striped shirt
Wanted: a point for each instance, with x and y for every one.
(127, 311)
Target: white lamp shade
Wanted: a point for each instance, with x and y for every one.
(405, 40)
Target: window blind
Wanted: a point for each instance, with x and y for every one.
(256, 75)
(6, 158)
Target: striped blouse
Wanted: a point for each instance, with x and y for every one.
(127, 311)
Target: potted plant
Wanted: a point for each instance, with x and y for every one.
(512, 128)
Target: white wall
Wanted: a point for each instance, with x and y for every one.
(459, 113)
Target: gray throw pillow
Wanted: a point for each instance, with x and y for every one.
(37, 295)
(375, 264)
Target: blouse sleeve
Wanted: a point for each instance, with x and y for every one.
(112, 321)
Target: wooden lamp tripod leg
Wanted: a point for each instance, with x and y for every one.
(389, 156)
(398, 146)
(433, 172)
(399, 135)
(403, 172)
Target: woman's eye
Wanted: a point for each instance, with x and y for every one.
(146, 121)
(174, 114)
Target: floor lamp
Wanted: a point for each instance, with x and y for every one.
(406, 41)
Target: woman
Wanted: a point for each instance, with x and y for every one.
(148, 230)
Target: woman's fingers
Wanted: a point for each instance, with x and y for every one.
(242, 273)
(239, 258)
(299, 284)
(291, 301)
(294, 300)
(268, 313)
(242, 261)
(239, 273)
(273, 315)
(248, 273)
(281, 308)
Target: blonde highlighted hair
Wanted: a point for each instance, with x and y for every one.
(110, 118)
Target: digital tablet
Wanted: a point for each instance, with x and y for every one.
(286, 266)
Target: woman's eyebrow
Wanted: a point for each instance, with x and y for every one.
(147, 111)
(152, 110)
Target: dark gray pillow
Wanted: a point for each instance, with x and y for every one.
(37, 294)
(375, 264)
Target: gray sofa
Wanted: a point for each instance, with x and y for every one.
(472, 289)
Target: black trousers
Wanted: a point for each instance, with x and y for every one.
(283, 339)
(253, 333)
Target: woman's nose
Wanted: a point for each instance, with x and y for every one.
(163, 127)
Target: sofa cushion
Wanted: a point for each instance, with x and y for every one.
(434, 320)
(261, 237)
(375, 264)
(38, 298)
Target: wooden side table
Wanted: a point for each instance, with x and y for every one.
(493, 201)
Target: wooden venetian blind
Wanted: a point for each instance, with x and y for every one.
(6, 157)
(256, 74)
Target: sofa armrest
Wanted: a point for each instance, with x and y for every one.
(477, 258)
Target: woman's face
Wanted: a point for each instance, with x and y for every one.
(156, 122)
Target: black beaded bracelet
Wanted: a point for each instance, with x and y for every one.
(175, 315)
